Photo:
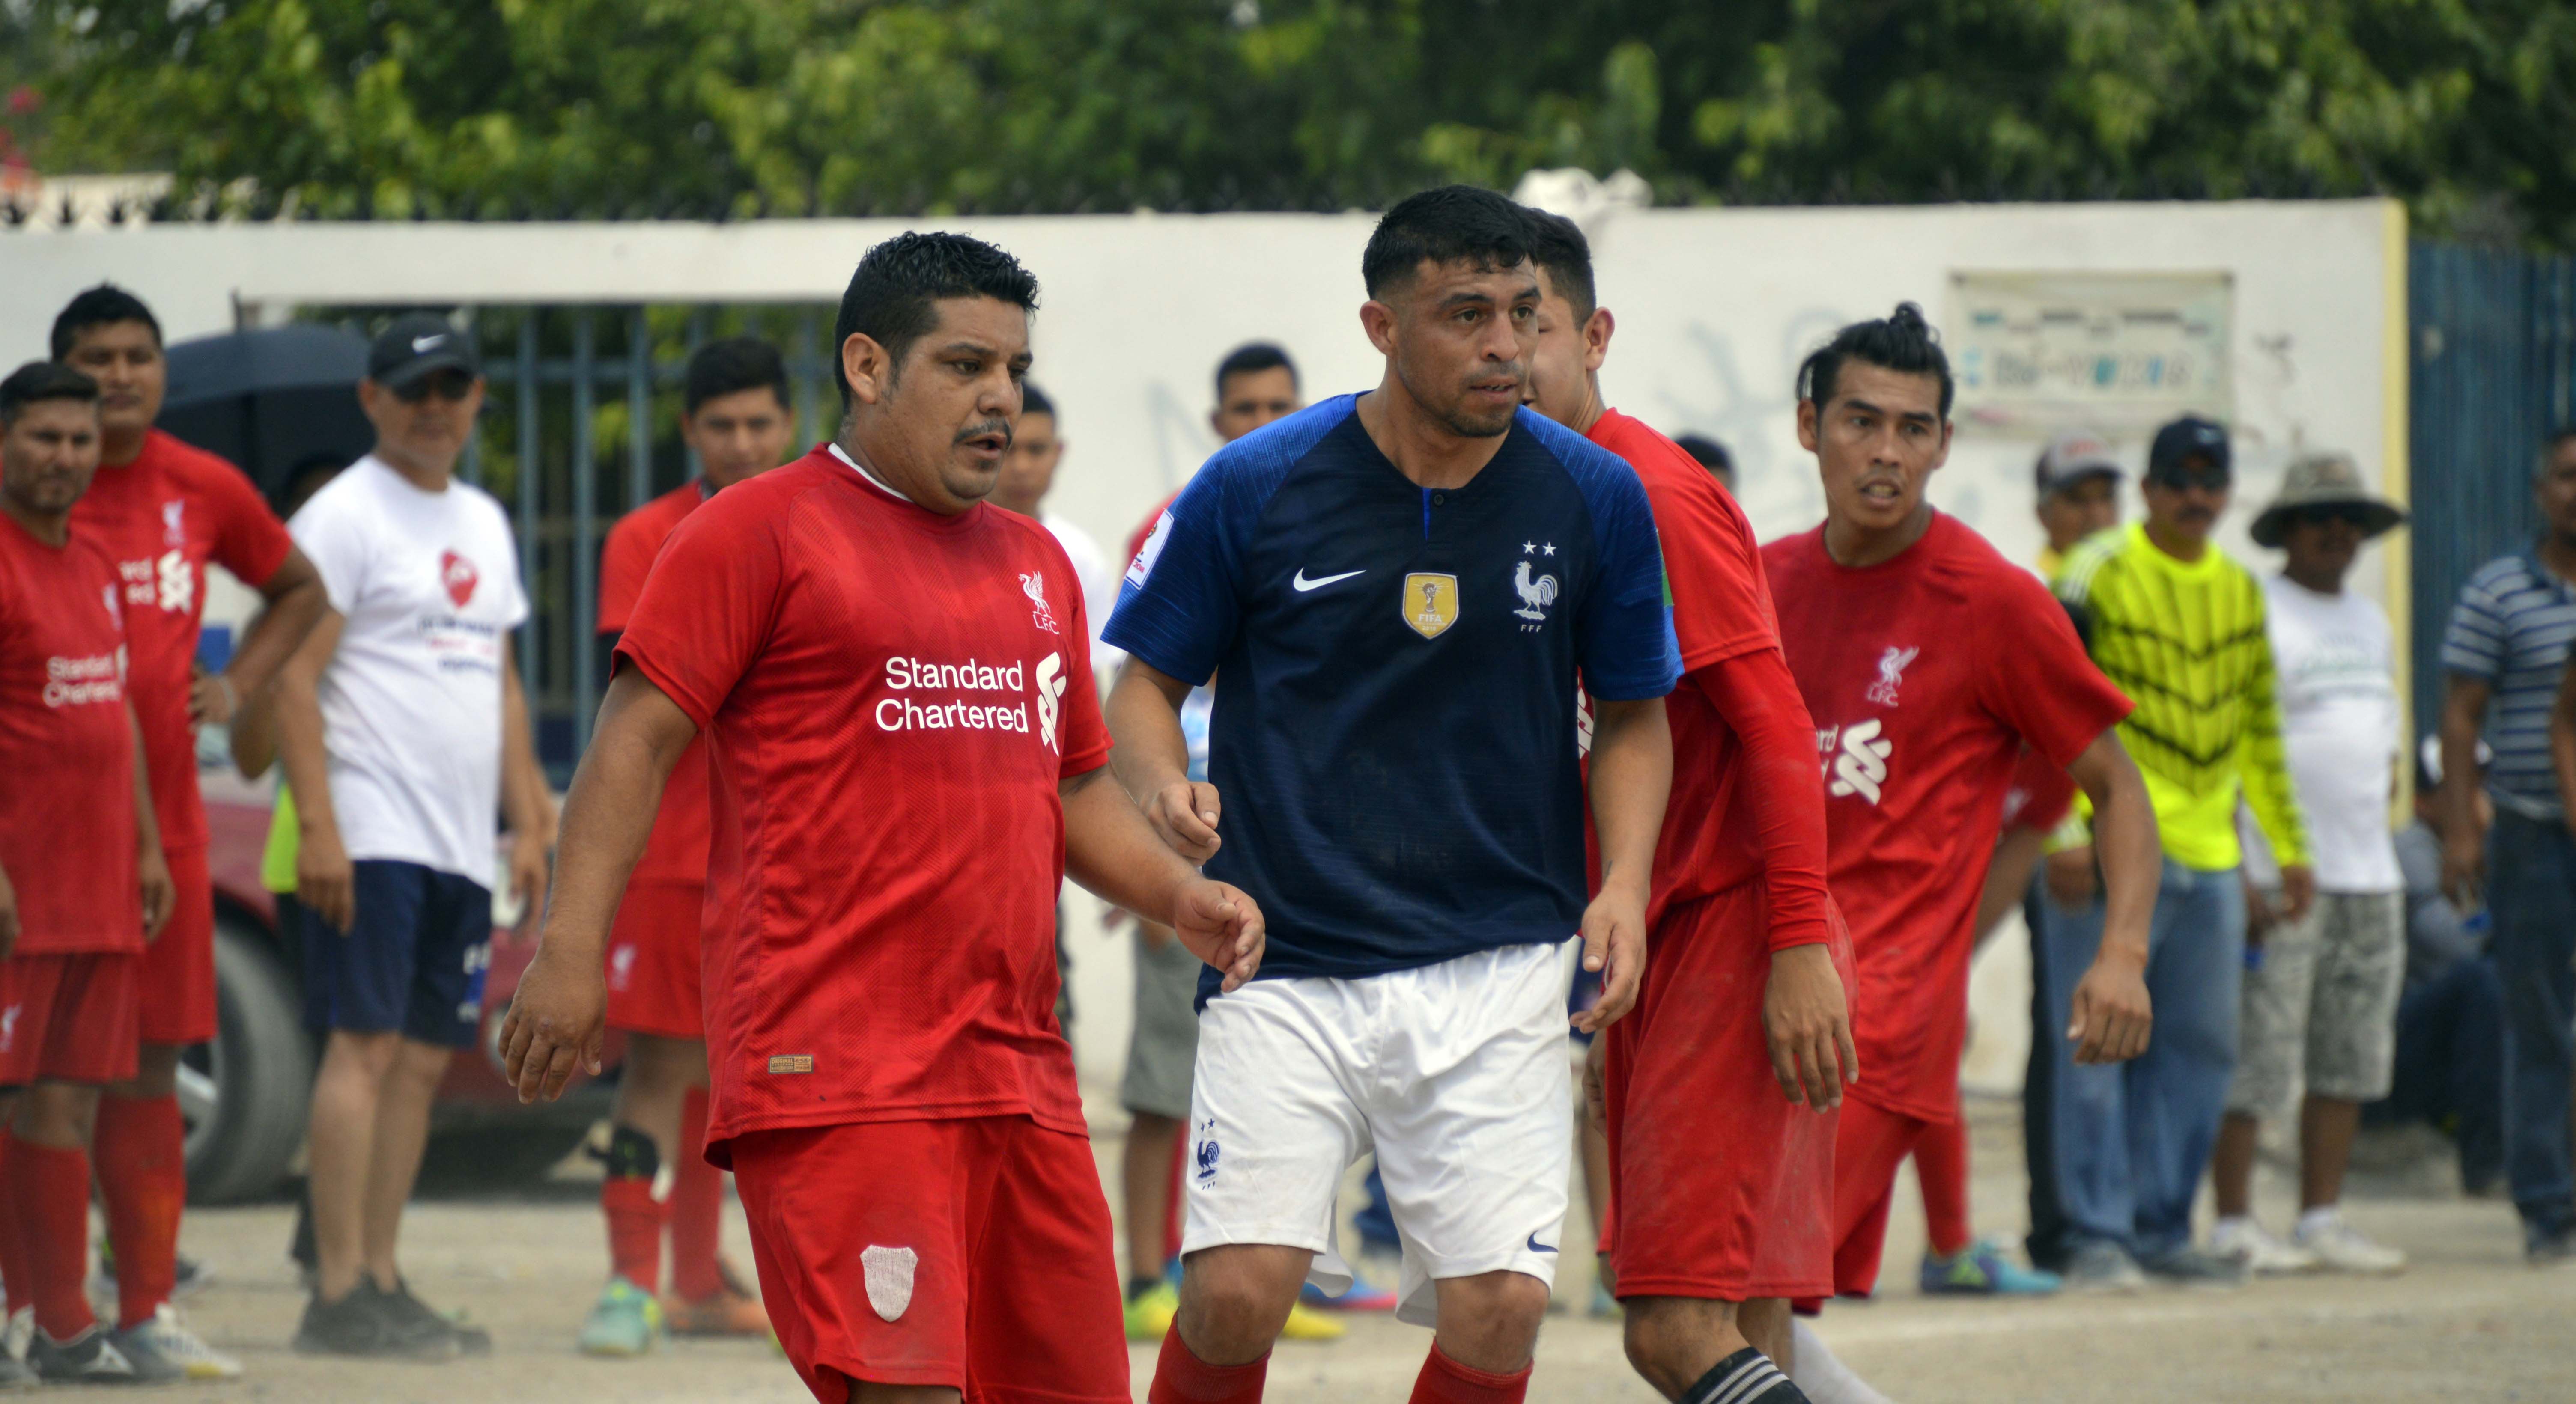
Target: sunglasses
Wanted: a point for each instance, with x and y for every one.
(449, 385)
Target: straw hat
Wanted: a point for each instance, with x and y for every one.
(2325, 480)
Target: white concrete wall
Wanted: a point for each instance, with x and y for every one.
(1715, 308)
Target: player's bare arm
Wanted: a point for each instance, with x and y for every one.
(2464, 713)
(2112, 1018)
(1632, 776)
(559, 1016)
(524, 801)
(1152, 760)
(1110, 849)
(2017, 854)
(324, 878)
(151, 868)
(295, 603)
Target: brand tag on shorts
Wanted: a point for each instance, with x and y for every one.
(889, 1278)
(792, 1063)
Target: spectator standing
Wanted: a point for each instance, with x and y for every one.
(403, 730)
(2320, 998)
(2079, 494)
(1255, 384)
(2179, 627)
(164, 511)
(78, 845)
(2504, 654)
(735, 418)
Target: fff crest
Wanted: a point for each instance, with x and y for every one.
(1430, 603)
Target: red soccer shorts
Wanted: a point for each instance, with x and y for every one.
(1721, 1186)
(1872, 1143)
(653, 961)
(178, 980)
(68, 1018)
(972, 1254)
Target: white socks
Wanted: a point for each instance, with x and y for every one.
(2318, 1220)
(1822, 1378)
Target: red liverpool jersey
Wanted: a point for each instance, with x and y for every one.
(677, 851)
(1926, 674)
(890, 698)
(67, 826)
(161, 518)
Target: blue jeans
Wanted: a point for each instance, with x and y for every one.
(2531, 888)
(2131, 1139)
(2450, 1066)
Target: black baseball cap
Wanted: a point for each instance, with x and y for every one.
(419, 344)
(2186, 438)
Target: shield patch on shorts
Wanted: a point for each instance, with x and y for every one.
(889, 1278)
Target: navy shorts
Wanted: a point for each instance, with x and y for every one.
(412, 962)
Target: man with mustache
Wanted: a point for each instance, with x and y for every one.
(1395, 592)
(2178, 627)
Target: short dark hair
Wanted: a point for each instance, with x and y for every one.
(1558, 246)
(1034, 400)
(890, 294)
(1901, 341)
(731, 366)
(38, 381)
(100, 306)
(1453, 224)
(1252, 356)
(1711, 454)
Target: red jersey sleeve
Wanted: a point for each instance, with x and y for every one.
(249, 539)
(2041, 794)
(1721, 604)
(706, 613)
(2044, 685)
(623, 564)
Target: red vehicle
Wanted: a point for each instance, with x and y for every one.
(246, 1094)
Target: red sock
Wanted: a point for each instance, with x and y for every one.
(697, 1208)
(140, 1153)
(15, 1273)
(1941, 1163)
(51, 1187)
(634, 1229)
(1180, 1377)
(1445, 1381)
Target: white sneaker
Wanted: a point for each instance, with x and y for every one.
(2339, 1247)
(168, 1336)
(20, 1329)
(2244, 1241)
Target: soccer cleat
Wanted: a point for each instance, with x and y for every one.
(728, 1313)
(1605, 1307)
(1361, 1295)
(20, 1330)
(92, 1358)
(1746, 1377)
(2186, 1266)
(15, 1376)
(2243, 1241)
(353, 1326)
(167, 1336)
(1307, 1324)
(409, 1318)
(624, 1321)
(1981, 1269)
(1150, 1313)
(2339, 1247)
(2102, 1267)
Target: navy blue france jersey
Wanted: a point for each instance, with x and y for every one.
(1394, 736)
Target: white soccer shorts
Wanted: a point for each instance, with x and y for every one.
(1453, 1073)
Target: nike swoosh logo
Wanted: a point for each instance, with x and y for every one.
(423, 343)
(1538, 1247)
(1303, 584)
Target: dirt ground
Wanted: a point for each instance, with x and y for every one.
(2468, 1322)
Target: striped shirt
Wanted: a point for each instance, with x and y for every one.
(2186, 640)
(2511, 631)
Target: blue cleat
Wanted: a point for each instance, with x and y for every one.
(1982, 1270)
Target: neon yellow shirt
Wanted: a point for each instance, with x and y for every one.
(277, 860)
(2186, 641)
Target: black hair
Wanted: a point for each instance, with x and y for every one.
(37, 381)
(1558, 246)
(1901, 341)
(1453, 224)
(98, 307)
(890, 294)
(731, 366)
(1252, 356)
(1034, 400)
(1711, 454)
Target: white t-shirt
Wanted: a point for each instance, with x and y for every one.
(2339, 715)
(1099, 588)
(428, 583)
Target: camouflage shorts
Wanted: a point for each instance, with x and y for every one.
(2323, 1005)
